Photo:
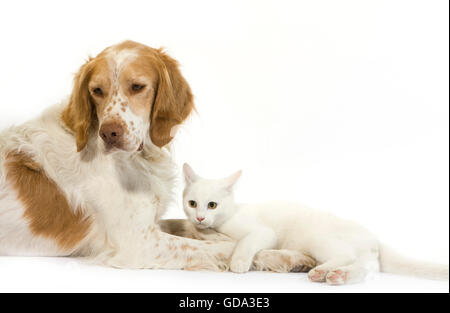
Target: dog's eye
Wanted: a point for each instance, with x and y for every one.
(192, 204)
(212, 205)
(137, 87)
(98, 91)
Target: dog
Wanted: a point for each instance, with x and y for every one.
(93, 175)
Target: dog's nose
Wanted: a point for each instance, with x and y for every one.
(111, 133)
(200, 219)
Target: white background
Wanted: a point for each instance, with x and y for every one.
(340, 105)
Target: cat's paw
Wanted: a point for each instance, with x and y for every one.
(336, 277)
(317, 275)
(240, 265)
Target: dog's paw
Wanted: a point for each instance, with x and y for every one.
(300, 262)
(240, 265)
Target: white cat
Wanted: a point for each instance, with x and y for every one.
(344, 250)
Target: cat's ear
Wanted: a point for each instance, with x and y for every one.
(189, 174)
(232, 180)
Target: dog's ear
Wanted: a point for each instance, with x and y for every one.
(80, 112)
(173, 101)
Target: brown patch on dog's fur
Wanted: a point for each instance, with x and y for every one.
(173, 102)
(181, 228)
(286, 260)
(80, 115)
(283, 261)
(46, 207)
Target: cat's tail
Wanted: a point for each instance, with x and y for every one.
(392, 262)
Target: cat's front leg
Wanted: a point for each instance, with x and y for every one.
(241, 263)
(281, 261)
(247, 247)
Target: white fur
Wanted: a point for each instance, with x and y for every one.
(344, 250)
(119, 58)
(123, 193)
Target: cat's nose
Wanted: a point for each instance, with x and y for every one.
(200, 219)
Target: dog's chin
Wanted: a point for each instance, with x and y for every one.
(109, 149)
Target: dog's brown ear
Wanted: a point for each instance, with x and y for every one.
(173, 101)
(80, 112)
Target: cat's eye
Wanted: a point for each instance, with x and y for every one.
(212, 205)
(192, 204)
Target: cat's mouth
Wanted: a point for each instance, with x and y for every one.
(201, 225)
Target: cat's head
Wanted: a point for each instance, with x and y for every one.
(208, 202)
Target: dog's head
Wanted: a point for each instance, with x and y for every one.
(130, 91)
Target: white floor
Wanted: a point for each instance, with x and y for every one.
(71, 275)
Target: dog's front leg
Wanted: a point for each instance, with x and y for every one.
(133, 239)
(158, 250)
